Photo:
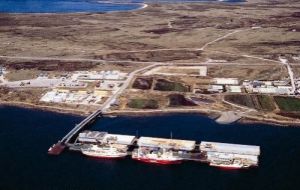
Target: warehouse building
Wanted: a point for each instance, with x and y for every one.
(226, 81)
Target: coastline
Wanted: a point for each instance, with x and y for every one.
(68, 111)
(144, 5)
(138, 113)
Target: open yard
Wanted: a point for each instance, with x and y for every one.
(143, 104)
(248, 72)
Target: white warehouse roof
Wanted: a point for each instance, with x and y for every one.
(166, 143)
(229, 148)
(119, 139)
(104, 137)
(232, 81)
(236, 89)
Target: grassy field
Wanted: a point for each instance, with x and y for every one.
(143, 104)
(266, 102)
(248, 72)
(22, 95)
(243, 100)
(259, 102)
(143, 83)
(176, 100)
(288, 103)
(21, 75)
(164, 85)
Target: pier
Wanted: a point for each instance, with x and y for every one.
(213, 153)
(88, 120)
(87, 143)
(57, 148)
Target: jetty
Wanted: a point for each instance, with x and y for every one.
(58, 148)
(228, 117)
(187, 150)
(213, 153)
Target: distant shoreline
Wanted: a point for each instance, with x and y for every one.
(137, 113)
(141, 5)
(118, 6)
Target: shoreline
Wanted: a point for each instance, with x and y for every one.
(144, 5)
(59, 110)
(137, 113)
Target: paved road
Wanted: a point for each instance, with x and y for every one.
(167, 110)
(290, 71)
(127, 82)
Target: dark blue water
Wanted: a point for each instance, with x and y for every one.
(71, 6)
(62, 6)
(25, 136)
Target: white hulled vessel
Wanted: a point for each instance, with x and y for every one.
(105, 151)
(161, 156)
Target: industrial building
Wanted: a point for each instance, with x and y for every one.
(268, 87)
(71, 97)
(166, 143)
(216, 88)
(281, 90)
(102, 75)
(72, 84)
(234, 89)
(224, 152)
(226, 81)
(105, 138)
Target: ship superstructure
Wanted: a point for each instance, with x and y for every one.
(161, 151)
(230, 156)
(105, 145)
(105, 151)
